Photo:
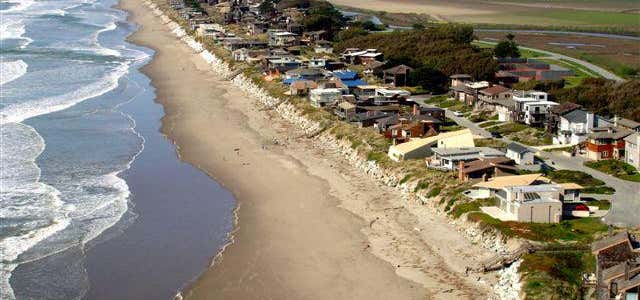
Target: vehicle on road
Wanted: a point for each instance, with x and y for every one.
(495, 134)
(457, 113)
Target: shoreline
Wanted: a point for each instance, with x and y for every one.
(273, 254)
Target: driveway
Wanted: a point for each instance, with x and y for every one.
(625, 203)
(462, 121)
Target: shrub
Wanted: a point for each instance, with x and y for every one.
(423, 184)
(435, 191)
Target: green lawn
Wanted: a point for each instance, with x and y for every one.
(592, 185)
(470, 206)
(581, 230)
(616, 168)
(510, 128)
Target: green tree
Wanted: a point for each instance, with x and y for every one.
(429, 79)
(445, 48)
(507, 47)
(324, 17)
(267, 8)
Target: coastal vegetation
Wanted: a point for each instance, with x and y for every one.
(616, 168)
(592, 185)
(604, 97)
(435, 53)
(556, 272)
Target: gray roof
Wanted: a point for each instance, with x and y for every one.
(576, 116)
(628, 123)
(469, 151)
(615, 133)
(515, 147)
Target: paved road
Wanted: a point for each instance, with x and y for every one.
(462, 121)
(595, 69)
(625, 203)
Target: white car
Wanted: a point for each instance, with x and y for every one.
(457, 113)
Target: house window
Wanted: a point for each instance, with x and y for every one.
(605, 153)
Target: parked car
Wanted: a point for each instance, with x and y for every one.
(495, 134)
(457, 113)
(576, 210)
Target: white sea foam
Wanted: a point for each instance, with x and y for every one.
(20, 6)
(13, 28)
(12, 70)
(19, 112)
(20, 175)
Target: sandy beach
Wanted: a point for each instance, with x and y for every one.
(309, 226)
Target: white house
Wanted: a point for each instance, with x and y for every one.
(632, 150)
(531, 107)
(321, 97)
(575, 125)
(449, 158)
(535, 113)
(520, 154)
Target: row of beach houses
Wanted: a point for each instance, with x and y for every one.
(376, 97)
(417, 131)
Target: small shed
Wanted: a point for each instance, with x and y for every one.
(520, 154)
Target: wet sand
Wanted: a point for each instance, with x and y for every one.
(305, 227)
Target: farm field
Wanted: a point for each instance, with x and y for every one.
(617, 55)
(597, 15)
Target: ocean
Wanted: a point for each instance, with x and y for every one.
(94, 201)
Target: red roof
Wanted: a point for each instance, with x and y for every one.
(494, 90)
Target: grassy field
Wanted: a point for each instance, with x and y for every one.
(596, 15)
(591, 185)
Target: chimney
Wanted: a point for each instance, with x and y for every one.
(460, 169)
(590, 121)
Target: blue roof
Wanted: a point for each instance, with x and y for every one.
(353, 83)
(346, 75)
(291, 80)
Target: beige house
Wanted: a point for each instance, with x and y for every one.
(528, 198)
(421, 148)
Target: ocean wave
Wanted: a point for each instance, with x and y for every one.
(20, 6)
(21, 183)
(12, 70)
(11, 28)
(18, 112)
